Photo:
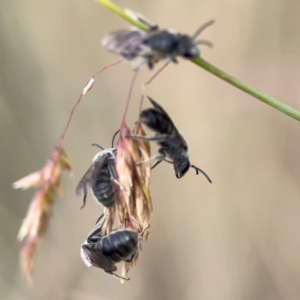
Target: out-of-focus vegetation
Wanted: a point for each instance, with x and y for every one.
(234, 239)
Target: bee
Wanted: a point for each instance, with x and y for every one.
(155, 44)
(105, 251)
(172, 145)
(100, 177)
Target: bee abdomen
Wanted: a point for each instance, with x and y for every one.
(103, 189)
(156, 121)
(121, 245)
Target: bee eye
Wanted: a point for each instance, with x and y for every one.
(185, 148)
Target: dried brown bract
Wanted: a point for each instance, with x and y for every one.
(48, 179)
(142, 179)
(136, 201)
(135, 177)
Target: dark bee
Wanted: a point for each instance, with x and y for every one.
(171, 143)
(105, 251)
(154, 45)
(100, 177)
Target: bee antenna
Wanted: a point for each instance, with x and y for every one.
(202, 27)
(114, 136)
(204, 42)
(120, 277)
(98, 146)
(199, 170)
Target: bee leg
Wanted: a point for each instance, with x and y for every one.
(84, 198)
(131, 258)
(159, 157)
(113, 177)
(199, 170)
(122, 187)
(150, 64)
(168, 161)
(158, 162)
(174, 60)
(116, 275)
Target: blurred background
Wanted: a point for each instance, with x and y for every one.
(237, 238)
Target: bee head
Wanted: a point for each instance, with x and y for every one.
(181, 167)
(186, 47)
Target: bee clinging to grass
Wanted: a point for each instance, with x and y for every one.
(172, 145)
(105, 251)
(154, 45)
(101, 177)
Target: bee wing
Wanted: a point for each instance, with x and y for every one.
(127, 43)
(90, 176)
(81, 188)
(160, 109)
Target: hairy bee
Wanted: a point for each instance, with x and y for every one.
(100, 177)
(172, 144)
(154, 45)
(105, 251)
